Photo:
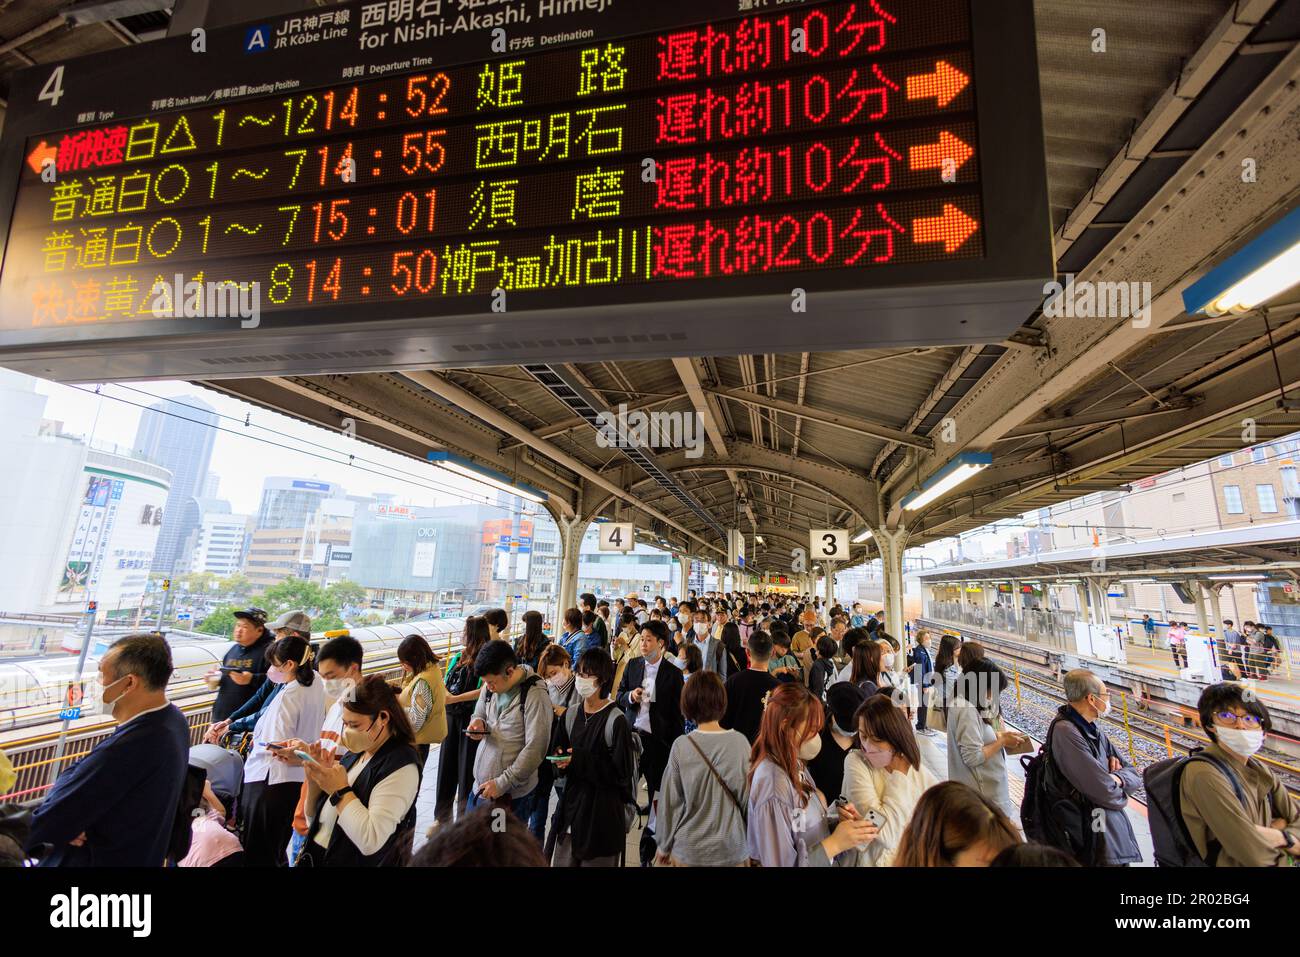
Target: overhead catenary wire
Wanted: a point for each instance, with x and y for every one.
(350, 460)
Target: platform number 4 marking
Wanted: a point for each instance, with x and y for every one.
(53, 88)
(617, 537)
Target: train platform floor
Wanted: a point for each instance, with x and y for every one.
(1278, 690)
(1137, 812)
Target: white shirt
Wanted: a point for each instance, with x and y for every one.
(648, 684)
(369, 826)
(296, 712)
(331, 733)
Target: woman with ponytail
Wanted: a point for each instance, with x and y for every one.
(271, 787)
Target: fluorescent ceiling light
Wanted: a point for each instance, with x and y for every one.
(479, 473)
(963, 467)
(1266, 266)
(1237, 578)
(861, 537)
(1138, 581)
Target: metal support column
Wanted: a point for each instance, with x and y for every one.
(571, 532)
(1198, 593)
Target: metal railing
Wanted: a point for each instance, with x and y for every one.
(34, 758)
(1038, 625)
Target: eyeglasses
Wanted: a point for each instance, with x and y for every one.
(1229, 717)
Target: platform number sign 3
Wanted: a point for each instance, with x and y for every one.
(617, 537)
(52, 91)
(829, 544)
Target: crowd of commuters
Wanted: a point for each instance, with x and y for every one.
(768, 731)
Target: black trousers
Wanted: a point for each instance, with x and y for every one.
(268, 822)
(449, 769)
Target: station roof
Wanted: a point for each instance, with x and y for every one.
(836, 439)
(1266, 548)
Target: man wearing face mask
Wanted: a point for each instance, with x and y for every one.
(1248, 819)
(339, 665)
(1089, 761)
(116, 806)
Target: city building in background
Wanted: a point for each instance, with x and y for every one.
(274, 554)
(115, 534)
(43, 476)
(290, 502)
(178, 435)
(221, 542)
(413, 560)
(646, 570)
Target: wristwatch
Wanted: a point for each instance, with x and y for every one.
(338, 795)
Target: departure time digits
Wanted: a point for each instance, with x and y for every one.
(437, 183)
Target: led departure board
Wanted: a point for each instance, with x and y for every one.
(460, 180)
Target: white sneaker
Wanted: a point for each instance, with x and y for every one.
(928, 732)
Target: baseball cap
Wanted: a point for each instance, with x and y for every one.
(256, 615)
(294, 621)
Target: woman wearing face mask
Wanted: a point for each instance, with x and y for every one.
(839, 739)
(977, 752)
(625, 647)
(424, 695)
(365, 803)
(271, 787)
(554, 668)
(1261, 828)
(596, 750)
(789, 823)
(885, 776)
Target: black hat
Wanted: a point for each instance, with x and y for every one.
(256, 615)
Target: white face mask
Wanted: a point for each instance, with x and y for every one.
(1244, 743)
(1104, 709)
(337, 688)
(811, 748)
(586, 686)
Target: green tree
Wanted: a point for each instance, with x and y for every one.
(297, 594)
(330, 621)
(348, 593)
(234, 587)
(220, 622)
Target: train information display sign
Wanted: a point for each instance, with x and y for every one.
(456, 182)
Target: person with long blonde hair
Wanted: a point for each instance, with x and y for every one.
(789, 822)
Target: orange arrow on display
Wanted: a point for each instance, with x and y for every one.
(943, 84)
(39, 156)
(952, 228)
(934, 155)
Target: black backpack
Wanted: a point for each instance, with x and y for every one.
(1054, 812)
(1163, 782)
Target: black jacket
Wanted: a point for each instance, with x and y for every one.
(231, 696)
(389, 759)
(597, 783)
(666, 722)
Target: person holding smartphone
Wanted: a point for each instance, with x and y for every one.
(594, 752)
(271, 787)
(977, 752)
(790, 823)
(243, 668)
(885, 778)
(365, 802)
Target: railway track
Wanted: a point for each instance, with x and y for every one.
(1147, 740)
